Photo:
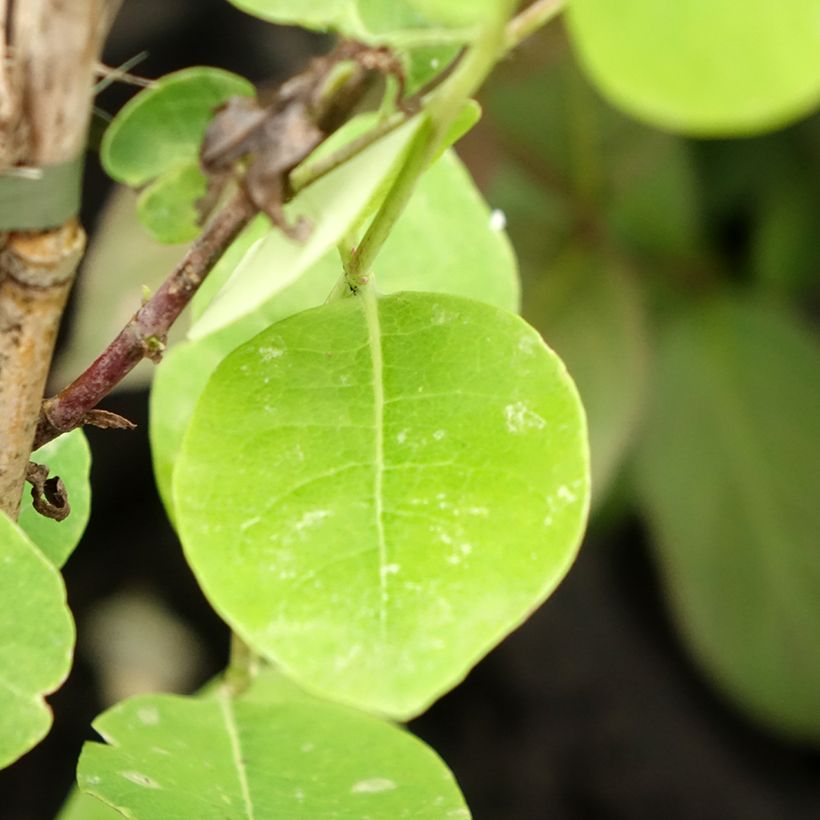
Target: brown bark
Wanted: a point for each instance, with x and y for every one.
(50, 49)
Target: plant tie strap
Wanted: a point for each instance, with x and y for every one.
(33, 199)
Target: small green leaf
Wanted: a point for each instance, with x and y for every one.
(162, 127)
(409, 481)
(728, 475)
(69, 458)
(167, 207)
(36, 641)
(703, 67)
(273, 752)
(461, 254)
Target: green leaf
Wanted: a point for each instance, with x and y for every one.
(728, 477)
(273, 752)
(335, 204)
(703, 67)
(409, 480)
(69, 458)
(459, 12)
(397, 22)
(162, 127)
(590, 311)
(36, 641)
(461, 255)
(167, 207)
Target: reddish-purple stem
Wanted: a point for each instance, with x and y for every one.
(145, 334)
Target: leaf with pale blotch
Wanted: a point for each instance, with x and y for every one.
(36, 641)
(409, 480)
(728, 475)
(69, 458)
(705, 67)
(463, 253)
(273, 752)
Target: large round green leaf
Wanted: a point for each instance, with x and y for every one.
(703, 67)
(374, 493)
(271, 753)
(463, 253)
(69, 458)
(728, 474)
(36, 641)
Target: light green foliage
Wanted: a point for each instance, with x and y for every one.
(36, 641)
(589, 310)
(728, 476)
(69, 458)
(156, 137)
(408, 480)
(167, 207)
(460, 254)
(703, 67)
(272, 752)
(335, 204)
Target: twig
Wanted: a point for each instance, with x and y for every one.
(145, 334)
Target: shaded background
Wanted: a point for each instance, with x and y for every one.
(592, 709)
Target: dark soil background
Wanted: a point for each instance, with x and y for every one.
(590, 710)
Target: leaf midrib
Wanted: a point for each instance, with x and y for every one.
(374, 339)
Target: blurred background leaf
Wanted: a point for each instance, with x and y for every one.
(728, 476)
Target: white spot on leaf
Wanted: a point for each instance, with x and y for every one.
(528, 345)
(140, 779)
(498, 220)
(441, 316)
(149, 715)
(272, 351)
(519, 418)
(373, 785)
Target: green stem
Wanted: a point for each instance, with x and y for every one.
(442, 109)
(517, 30)
(242, 666)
